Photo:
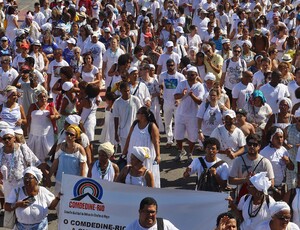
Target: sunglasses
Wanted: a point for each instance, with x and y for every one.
(70, 134)
(192, 74)
(237, 51)
(252, 144)
(6, 138)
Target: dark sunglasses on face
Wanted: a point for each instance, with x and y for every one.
(6, 138)
(252, 144)
(70, 134)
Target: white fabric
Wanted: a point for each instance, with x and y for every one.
(109, 176)
(233, 72)
(266, 226)
(54, 70)
(275, 157)
(141, 91)
(108, 130)
(135, 225)
(37, 173)
(88, 118)
(292, 86)
(6, 79)
(37, 211)
(163, 58)
(296, 207)
(258, 79)
(97, 50)
(261, 182)
(242, 93)
(263, 214)
(272, 94)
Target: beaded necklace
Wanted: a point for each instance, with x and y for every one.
(103, 172)
(253, 213)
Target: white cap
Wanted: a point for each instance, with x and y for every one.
(248, 43)
(46, 26)
(67, 86)
(192, 68)
(152, 66)
(132, 69)
(169, 44)
(36, 43)
(71, 41)
(107, 30)
(73, 119)
(144, 8)
(179, 29)
(225, 40)
(229, 113)
(275, 5)
(210, 76)
(95, 34)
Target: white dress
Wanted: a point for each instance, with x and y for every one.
(10, 31)
(108, 175)
(142, 137)
(108, 130)
(41, 136)
(88, 118)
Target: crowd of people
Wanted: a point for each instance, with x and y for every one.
(223, 75)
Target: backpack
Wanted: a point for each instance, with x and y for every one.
(206, 181)
(242, 62)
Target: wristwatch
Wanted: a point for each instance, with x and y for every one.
(200, 131)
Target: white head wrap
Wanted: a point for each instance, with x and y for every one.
(278, 130)
(192, 68)
(278, 207)
(9, 90)
(152, 66)
(108, 148)
(4, 125)
(34, 171)
(261, 182)
(288, 101)
(73, 119)
(6, 132)
(141, 153)
(67, 86)
(248, 43)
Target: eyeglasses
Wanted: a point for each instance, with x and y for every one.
(237, 51)
(28, 178)
(6, 138)
(70, 134)
(283, 218)
(252, 144)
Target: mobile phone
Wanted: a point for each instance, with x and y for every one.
(31, 199)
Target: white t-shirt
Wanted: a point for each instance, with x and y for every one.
(97, 50)
(194, 41)
(292, 86)
(141, 91)
(7, 78)
(258, 79)
(170, 83)
(136, 226)
(187, 103)
(242, 93)
(233, 72)
(212, 117)
(273, 94)
(18, 62)
(163, 58)
(275, 157)
(232, 141)
(90, 76)
(54, 70)
(110, 58)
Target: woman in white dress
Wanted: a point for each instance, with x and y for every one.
(12, 23)
(87, 109)
(41, 133)
(144, 132)
(88, 72)
(103, 168)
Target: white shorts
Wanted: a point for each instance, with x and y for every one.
(186, 124)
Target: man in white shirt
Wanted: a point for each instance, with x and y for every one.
(169, 54)
(259, 76)
(242, 91)
(168, 82)
(274, 91)
(293, 85)
(147, 217)
(124, 112)
(190, 92)
(39, 17)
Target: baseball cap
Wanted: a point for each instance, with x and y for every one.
(169, 44)
(71, 41)
(132, 69)
(229, 113)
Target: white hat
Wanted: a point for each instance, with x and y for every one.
(107, 30)
(46, 26)
(152, 66)
(4, 38)
(179, 29)
(248, 43)
(275, 5)
(4, 125)
(210, 76)
(286, 58)
(264, 31)
(19, 32)
(192, 68)
(95, 34)
(144, 8)
(261, 182)
(229, 113)
(108, 148)
(110, 7)
(203, 11)
(34, 171)
(225, 40)
(71, 41)
(132, 69)
(6, 132)
(141, 153)
(194, 48)
(297, 113)
(67, 86)
(36, 43)
(73, 119)
(82, 9)
(287, 100)
(278, 207)
(147, 19)
(61, 26)
(169, 44)
(19, 131)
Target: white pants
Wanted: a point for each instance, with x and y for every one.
(169, 111)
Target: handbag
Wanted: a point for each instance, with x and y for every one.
(10, 216)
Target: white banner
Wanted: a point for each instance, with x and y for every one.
(88, 204)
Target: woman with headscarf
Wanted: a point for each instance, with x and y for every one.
(70, 157)
(136, 173)
(284, 117)
(144, 132)
(32, 26)
(258, 111)
(14, 158)
(280, 160)
(40, 117)
(31, 202)
(10, 111)
(103, 168)
(254, 208)
(280, 218)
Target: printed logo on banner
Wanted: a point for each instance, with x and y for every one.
(87, 195)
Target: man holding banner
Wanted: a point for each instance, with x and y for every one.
(147, 218)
